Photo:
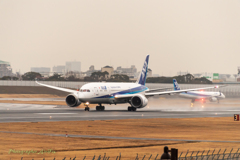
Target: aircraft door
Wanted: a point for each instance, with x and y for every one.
(109, 90)
(96, 91)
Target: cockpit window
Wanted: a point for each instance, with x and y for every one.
(84, 90)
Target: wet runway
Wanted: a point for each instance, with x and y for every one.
(165, 109)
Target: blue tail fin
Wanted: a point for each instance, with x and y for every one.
(175, 84)
(143, 75)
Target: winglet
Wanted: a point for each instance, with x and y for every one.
(143, 75)
(175, 84)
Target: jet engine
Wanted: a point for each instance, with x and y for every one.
(213, 99)
(72, 100)
(139, 101)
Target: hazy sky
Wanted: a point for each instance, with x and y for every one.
(180, 35)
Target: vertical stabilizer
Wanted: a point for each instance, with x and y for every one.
(175, 84)
(143, 75)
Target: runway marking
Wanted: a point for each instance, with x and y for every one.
(55, 113)
(122, 138)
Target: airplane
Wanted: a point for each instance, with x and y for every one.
(136, 94)
(199, 95)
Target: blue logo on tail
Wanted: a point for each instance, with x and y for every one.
(175, 84)
(143, 75)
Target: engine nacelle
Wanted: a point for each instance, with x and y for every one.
(139, 101)
(72, 100)
(213, 99)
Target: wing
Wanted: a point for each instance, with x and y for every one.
(124, 96)
(58, 88)
(178, 91)
(151, 90)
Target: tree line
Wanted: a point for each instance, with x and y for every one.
(104, 76)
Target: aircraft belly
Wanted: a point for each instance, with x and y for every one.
(103, 100)
(96, 100)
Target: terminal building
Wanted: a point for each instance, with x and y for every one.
(5, 69)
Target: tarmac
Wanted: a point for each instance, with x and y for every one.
(44, 113)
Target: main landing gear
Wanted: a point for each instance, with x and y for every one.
(132, 108)
(100, 108)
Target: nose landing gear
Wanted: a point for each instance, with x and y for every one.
(86, 106)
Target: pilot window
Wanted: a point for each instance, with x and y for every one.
(84, 90)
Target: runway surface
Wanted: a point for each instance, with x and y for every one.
(167, 109)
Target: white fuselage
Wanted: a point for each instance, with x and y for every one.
(202, 95)
(96, 93)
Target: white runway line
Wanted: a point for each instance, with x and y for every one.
(54, 113)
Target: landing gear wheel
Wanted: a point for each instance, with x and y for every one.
(103, 108)
(86, 108)
(132, 109)
(100, 108)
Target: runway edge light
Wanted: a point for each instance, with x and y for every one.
(236, 117)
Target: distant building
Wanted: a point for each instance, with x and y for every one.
(149, 73)
(108, 69)
(238, 76)
(181, 73)
(44, 71)
(59, 69)
(90, 71)
(216, 77)
(5, 69)
(74, 66)
(155, 75)
(75, 74)
(130, 72)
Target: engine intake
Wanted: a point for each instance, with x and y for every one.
(72, 100)
(139, 101)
